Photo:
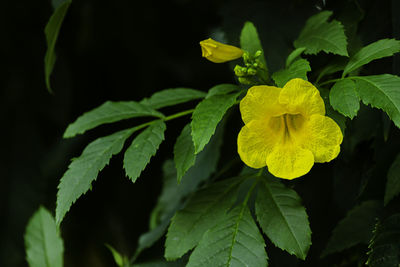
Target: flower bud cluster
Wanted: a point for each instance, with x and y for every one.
(246, 74)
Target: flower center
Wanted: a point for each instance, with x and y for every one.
(287, 126)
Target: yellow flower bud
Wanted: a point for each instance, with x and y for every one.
(218, 52)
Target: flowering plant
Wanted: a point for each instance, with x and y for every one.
(230, 213)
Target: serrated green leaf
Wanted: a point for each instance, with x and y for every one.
(206, 116)
(297, 69)
(381, 91)
(43, 244)
(344, 98)
(184, 156)
(393, 181)
(355, 228)
(282, 217)
(385, 244)
(234, 241)
(201, 213)
(294, 55)
(82, 171)
(51, 31)
(376, 50)
(320, 35)
(143, 147)
(222, 89)
(250, 42)
(107, 113)
(170, 97)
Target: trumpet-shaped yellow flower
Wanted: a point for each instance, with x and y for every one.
(218, 52)
(286, 129)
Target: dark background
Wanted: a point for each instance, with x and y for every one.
(126, 50)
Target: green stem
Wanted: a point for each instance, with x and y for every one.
(178, 115)
(331, 81)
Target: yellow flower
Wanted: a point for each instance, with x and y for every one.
(286, 129)
(218, 52)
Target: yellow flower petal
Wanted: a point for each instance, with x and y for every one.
(260, 103)
(322, 136)
(255, 141)
(289, 161)
(218, 52)
(300, 96)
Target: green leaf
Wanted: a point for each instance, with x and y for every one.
(234, 241)
(107, 113)
(393, 181)
(250, 42)
(202, 212)
(184, 156)
(51, 31)
(336, 65)
(43, 244)
(320, 35)
(355, 228)
(330, 112)
(143, 147)
(149, 238)
(222, 89)
(120, 260)
(385, 244)
(294, 55)
(297, 69)
(381, 91)
(282, 217)
(376, 50)
(344, 98)
(170, 97)
(206, 116)
(83, 170)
